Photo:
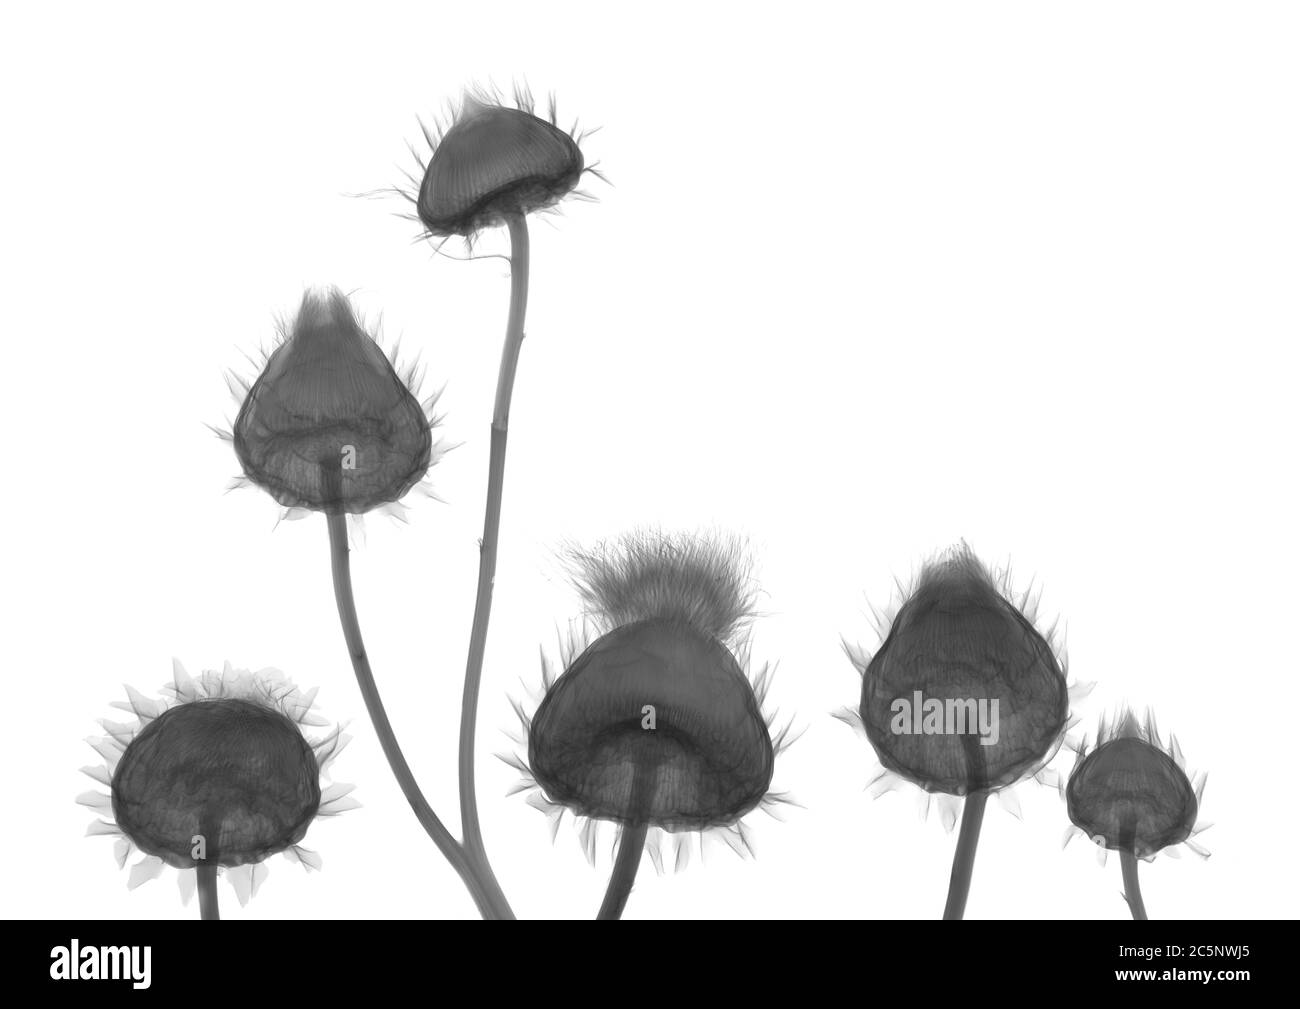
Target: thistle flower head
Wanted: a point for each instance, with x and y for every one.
(697, 581)
(1130, 792)
(655, 722)
(964, 694)
(492, 161)
(329, 424)
(217, 770)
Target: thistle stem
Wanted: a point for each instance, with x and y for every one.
(631, 843)
(518, 228)
(963, 862)
(972, 818)
(487, 895)
(207, 873)
(1128, 865)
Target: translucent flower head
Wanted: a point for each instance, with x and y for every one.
(218, 769)
(490, 161)
(1131, 793)
(654, 721)
(330, 423)
(964, 693)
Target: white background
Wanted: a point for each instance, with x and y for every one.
(870, 279)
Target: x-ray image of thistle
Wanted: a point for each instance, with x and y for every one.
(330, 424)
(213, 778)
(1131, 793)
(964, 697)
(654, 725)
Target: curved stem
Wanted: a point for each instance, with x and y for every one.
(487, 896)
(1128, 865)
(631, 843)
(207, 873)
(488, 544)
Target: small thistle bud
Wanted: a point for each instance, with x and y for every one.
(1128, 794)
(493, 162)
(329, 425)
(1131, 795)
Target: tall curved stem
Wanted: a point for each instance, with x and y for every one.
(488, 544)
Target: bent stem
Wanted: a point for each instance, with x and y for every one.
(488, 544)
(487, 895)
(631, 843)
(972, 818)
(207, 873)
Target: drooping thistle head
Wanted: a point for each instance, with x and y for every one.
(491, 161)
(964, 693)
(218, 770)
(655, 722)
(329, 424)
(1130, 793)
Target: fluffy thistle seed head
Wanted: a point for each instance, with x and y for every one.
(492, 162)
(329, 425)
(222, 757)
(1131, 794)
(656, 722)
(959, 639)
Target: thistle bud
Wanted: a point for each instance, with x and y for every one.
(493, 162)
(329, 424)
